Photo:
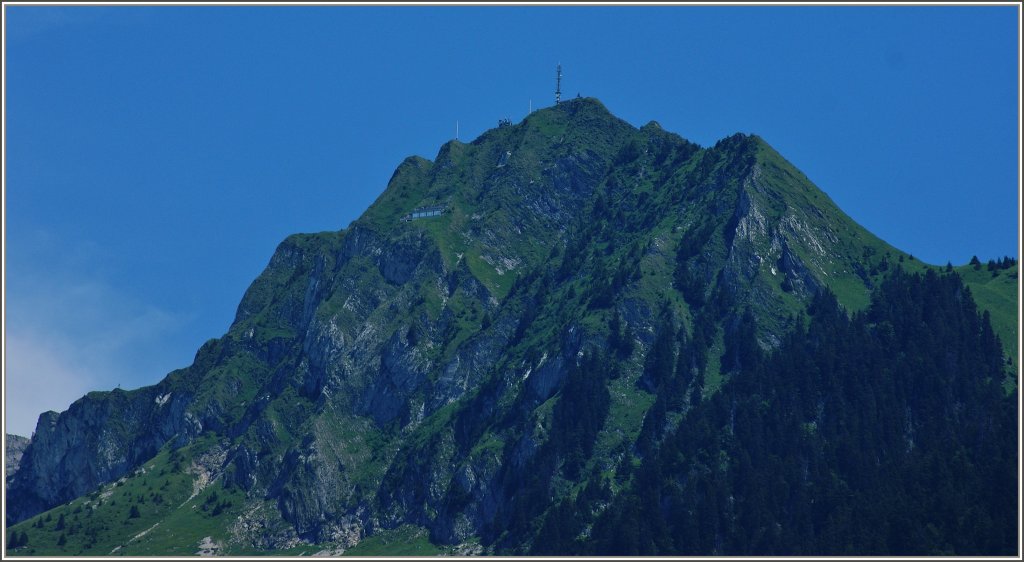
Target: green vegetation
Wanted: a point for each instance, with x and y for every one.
(737, 477)
(153, 511)
(995, 291)
(407, 540)
(614, 341)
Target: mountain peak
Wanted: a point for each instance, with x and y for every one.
(586, 111)
(486, 355)
(580, 102)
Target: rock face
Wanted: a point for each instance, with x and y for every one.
(98, 439)
(402, 372)
(15, 448)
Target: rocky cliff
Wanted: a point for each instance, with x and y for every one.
(14, 448)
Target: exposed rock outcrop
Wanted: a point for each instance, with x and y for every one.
(14, 448)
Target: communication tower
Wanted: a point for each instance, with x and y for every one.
(558, 85)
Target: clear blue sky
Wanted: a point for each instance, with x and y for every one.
(157, 155)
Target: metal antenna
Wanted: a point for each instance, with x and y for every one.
(456, 129)
(558, 85)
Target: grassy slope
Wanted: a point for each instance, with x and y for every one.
(168, 521)
(997, 295)
(854, 244)
(175, 514)
(406, 540)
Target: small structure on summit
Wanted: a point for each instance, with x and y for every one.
(425, 212)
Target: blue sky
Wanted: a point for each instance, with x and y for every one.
(157, 155)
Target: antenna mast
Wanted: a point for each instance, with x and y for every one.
(558, 85)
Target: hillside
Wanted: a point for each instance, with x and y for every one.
(995, 291)
(453, 383)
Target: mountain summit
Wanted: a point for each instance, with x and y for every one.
(591, 339)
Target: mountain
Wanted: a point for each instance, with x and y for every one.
(563, 338)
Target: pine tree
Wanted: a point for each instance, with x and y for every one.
(698, 390)
(615, 332)
(681, 376)
(661, 357)
(810, 421)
